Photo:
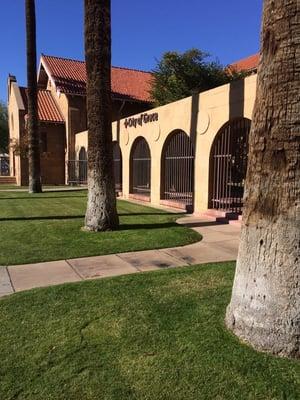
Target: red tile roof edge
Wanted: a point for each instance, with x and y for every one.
(83, 62)
(69, 77)
(246, 64)
(73, 80)
(48, 111)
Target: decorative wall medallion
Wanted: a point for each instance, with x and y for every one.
(203, 122)
(126, 137)
(157, 133)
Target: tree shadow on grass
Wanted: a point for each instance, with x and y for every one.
(122, 227)
(41, 198)
(65, 190)
(146, 213)
(38, 218)
(58, 217)
(164, 225)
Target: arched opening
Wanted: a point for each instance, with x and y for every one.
(117, 157)
(228, 166)
(4, 165)
(82, 168)
(140, 170)
(177, 171)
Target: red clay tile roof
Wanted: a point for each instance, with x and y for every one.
(70, 78)
(47, 108)
(246, 64)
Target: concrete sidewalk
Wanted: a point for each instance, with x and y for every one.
(220, 243)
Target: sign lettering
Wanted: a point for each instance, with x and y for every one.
(142, 119)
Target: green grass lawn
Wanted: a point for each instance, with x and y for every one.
(154, 336)
(13, 187)
(47, 226)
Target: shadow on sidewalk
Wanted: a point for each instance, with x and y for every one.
(203, 224)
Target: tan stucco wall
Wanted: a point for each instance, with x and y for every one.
(15, 111)
(201, 116)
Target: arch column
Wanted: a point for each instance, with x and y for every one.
(201, 185)
(126, 170)
(118, 166)
(155, 177)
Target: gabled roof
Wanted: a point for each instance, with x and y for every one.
(47, 108)
(69, 77)
(246, 64)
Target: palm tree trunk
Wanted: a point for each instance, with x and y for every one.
(32, 127)
(265, 305)
(101, 213)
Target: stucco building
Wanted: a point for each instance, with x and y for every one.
(62, 113)
(190, 154)
(52, 135)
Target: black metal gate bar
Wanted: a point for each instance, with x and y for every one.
(140, 168)
(82, 165)
(229, 166)
(117, 158)
(178, 169)
(4, 165)
(77, 172)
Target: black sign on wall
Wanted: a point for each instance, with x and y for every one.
(142, 119)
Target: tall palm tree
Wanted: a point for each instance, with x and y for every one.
(101, 213)
(265, 305)
(32, 123)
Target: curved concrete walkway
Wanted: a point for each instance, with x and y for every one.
(219, 243)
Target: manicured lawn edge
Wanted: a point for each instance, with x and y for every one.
(155, 335)
(47, 227)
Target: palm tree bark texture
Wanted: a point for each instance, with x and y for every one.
(101, 213)
(34, 168)
(265, 305)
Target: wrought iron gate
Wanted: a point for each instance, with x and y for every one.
(178, 171)
(140, 169)
(4, 165)
(117, 156)
(228, 166)
(82, 167)
(77, 169)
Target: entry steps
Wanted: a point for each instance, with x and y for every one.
(7, 180)
(223, 217)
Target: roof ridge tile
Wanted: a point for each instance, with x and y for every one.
(69, 77)
(83, 62)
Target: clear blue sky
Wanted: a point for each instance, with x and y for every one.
(142, 31)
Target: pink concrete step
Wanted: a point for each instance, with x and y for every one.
(238, 221)
(177, 204)
(139, 197)
(220, 214)
(223, 217)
